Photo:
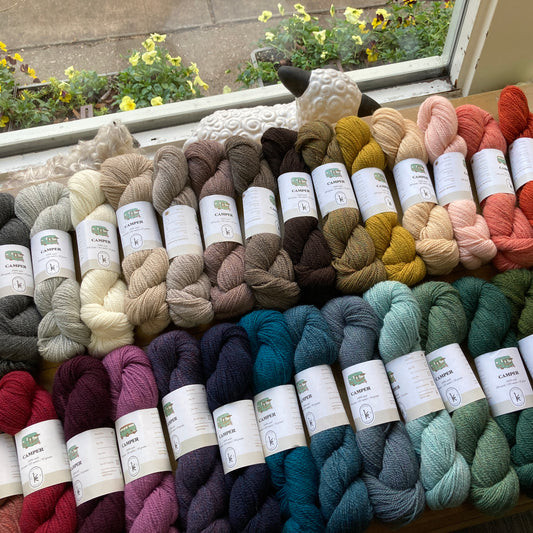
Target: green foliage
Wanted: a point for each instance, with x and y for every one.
(265, 71)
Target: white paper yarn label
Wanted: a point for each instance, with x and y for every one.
(413, 183)
(189, 421)
(369, 394)
(94, 464)
(220, 219)
(319, 399)
(260, 212)
(491, 174)
(297, 195)
(16, 272)
(10, 484)
(525, 346)
(372, 192)
(452, 182)
(457, 383)
(505, 381)
(413, 386)
(238, 435)
(141, 444)
(333, 188)
(42, 456)
(97, 246)
(521, 157)
(278, 417)
(137, 225)
(52, 256)
(182, 233)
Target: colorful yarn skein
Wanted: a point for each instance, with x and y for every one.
(494, 484)
(395, 246)
(438, 121)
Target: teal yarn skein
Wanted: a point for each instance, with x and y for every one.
(294, 473)
(390, 467)
(489, 319)
(444, 472)
(342, 493)
(494, 486)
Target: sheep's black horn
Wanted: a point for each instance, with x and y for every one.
(295, 79)
(367, 106)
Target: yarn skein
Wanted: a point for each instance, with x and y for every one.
(444, 471)
(268, 269)
(228, 368)
(203, 496)
(81, 399)
(509, 228)
(19, 318)
(390, 467)
(294, 473)
(125, 179)
(102, 291)
(61, 334)
(24, 403)
(352, 249)
(343, 495)
(188, 287)
(302, 238)
(438, 121)
(150, 501)
(494, 484)
(395, 246)
(210, 173)
(489, 322)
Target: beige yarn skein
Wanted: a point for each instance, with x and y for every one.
(102, 291)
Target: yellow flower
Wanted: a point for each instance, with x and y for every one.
(127, 104)
(134, 59)
(69, 72)
(332, 10)
(157, 38)
(372, 55)
(156, 101)
(362, 27)
(301, 9)
(3, 62)
(4, 119)
(352, 15)
(193, 90)
(323, 55)
(383, 13)
(201, 83)
(31, 72)
(65, 97)
(22, 97)
(269, 36)
(175, 61)
(320, 36)
(18, 57)
(149, 45)
(193, 68)
(3, 47)
(226, 89)
(149, 57)
(281, 10)
(264, 16)
(357, 39)
(448, 4)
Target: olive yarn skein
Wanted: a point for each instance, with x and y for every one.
(351, 247)
(428, 223)
(102, 291)
(494, 484)
(395, 246)
(390, 467)
(62, 334)
(203, 496)
(268, 269)
(444, 472)
(438, 120)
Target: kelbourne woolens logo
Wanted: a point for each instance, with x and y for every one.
(127, 429)
(73, 453)
(224, 420)
(221, 204)
(438, 364)
(264, 405)
(168, 409)
(417, 167)
(379, 177)
(132, 213)
(14, 255)
(100, 231)
(391, 377)
(333, 173)
(30, 440)
(357, 378)
(49, 239)
(299, 181)
(504, 362)
(301, 386)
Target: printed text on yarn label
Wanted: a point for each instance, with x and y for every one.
(297, 195)
(278, 417)
(10, 484)
(413, 183)
(525, 346)
(52, 256)
(521, 157)
(369, 394)
(42, 456)
(491, 174)
(260, 212)
(454, 377)
(182, 233)
(220, 219)
(452, 182)
(505, 381)
(189, 421)
(94, 464)
(16, 272)
(333, 188)
(372, 192)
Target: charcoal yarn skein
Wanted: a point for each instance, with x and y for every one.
(390, 467)
(102, 291)
(62, 334)
(302, 238)
(352, 249)
(228, 368)
(19, 318)
(203, 496)
(188, 287)
(444, 472)
(494, 484)
(395, 246)
(294, 473)
(343, 496)
(268, 268)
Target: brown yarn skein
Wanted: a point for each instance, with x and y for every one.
(352, 249)
(125, 179)
(268, 267)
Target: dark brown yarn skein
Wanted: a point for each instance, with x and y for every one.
(268, 268)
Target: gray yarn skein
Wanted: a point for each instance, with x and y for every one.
(19, 318)
(62, 334)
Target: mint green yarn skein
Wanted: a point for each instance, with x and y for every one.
(494, 487)
(444, 472)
